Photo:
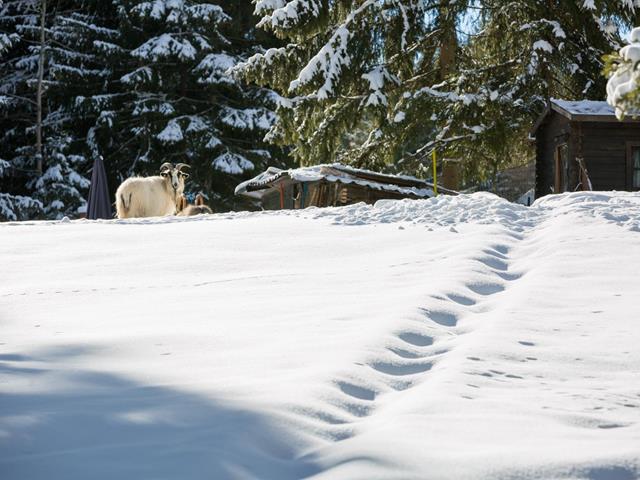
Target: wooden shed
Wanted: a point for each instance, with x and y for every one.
(581, 145)
(331, 185)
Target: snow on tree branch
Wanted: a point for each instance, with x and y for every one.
(331, 58)
(285, 15)
(232, 163)
(165, 46)
(623, 87)
(377, 77)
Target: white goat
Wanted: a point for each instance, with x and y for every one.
(151, 196)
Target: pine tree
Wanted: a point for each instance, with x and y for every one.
(16, 109)
(522, 54)
(345, 67)
(39, 178)
(152, 80)
(398, 69)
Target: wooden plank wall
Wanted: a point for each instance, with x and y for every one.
(549, 135)
(603, 145)
(605, 152)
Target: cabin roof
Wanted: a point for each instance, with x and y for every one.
(336, 172)
(580, 111)
(581, 108)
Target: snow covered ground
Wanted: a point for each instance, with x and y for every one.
(451, 338)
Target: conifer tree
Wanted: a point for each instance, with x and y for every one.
(163, 93)
(522, 54)
(395, 68)
(40, 178)
(345, 67)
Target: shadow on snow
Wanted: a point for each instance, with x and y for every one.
(79, 425)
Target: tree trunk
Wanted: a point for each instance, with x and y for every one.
(39, 155)
(448, 42)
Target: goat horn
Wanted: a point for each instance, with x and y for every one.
(180, 166)
(166, 166)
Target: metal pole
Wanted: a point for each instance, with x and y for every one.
(435, 173)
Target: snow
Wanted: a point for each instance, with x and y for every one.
(247, 118)
(165, 46)
(526, 198)
(331, 59)
(172, 133)
(329, 62)
(10, 204)
(399, 117)
(335, 173)
(543, 45)
(214, 68)
(231, 163)
(625, 79)
(456, 337)
(286, 14)
(584, 107)
(377, 77)
(139, 75)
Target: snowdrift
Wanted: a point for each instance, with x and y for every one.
(456, 337)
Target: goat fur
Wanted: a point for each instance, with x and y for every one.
(186, 210)
(195, 210)
(147, 197)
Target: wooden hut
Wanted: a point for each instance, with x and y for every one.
(330, 185)
(581, 145)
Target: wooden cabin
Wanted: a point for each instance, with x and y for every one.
(581, 145)
(331, 185)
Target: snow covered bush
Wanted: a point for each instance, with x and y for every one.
(623, 87)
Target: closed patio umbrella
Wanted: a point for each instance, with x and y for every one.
(98, 205)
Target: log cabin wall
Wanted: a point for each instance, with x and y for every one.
(605, 150)
(554, 132)
(605, 145)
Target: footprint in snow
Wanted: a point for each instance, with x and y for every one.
(495, 254)
(509, 277)
(485, 288)
(446, 319)
(402, 353)
(361, 393)
(462, 300)
(416, 339)
(493, 262)
(503, 249)
(401, 369)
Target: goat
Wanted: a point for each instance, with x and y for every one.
(151, 196)
(199, 208)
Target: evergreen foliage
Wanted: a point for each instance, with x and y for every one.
(169, 97)
(623, 87)
(373, 83)
(403, 71)
(138, 82)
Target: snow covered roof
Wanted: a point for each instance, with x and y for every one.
(336, 172)
(573, 109)
(580, 111)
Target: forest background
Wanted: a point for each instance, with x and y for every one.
(231, 87)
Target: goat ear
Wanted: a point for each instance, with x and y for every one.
(185, 175)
